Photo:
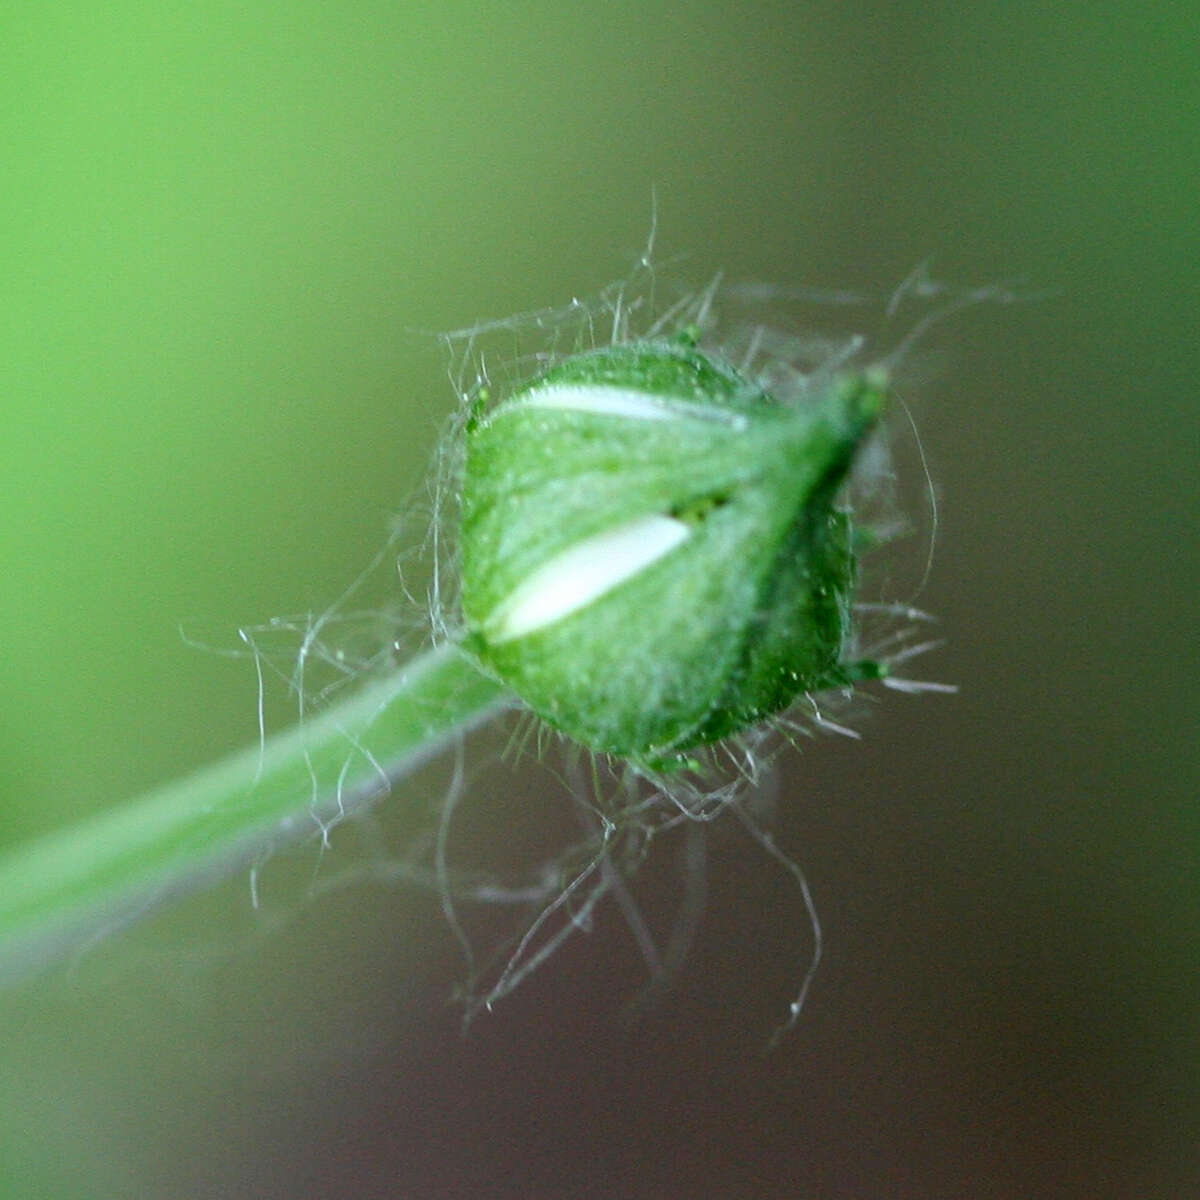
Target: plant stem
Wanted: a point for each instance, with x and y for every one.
(73, 881)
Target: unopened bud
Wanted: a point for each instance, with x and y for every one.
(653, 556)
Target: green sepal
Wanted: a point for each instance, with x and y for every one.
(749, 611)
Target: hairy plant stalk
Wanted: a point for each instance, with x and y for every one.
(74, 881)
(654, 560)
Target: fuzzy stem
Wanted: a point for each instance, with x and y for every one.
(75, 880)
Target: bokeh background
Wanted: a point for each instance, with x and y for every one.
(219, 226)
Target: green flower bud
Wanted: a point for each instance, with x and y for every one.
(652, 553)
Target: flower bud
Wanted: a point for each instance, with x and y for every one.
(652, 553)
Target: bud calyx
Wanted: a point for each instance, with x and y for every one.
(652, 553)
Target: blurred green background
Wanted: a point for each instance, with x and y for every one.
(219, 226)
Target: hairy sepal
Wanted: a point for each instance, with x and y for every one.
(728, 626)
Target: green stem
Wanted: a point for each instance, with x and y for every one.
(72, 881)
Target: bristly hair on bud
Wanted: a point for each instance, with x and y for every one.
(653, 553)
(659, 519)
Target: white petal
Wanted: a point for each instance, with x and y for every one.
(607, 401)
(584, 573)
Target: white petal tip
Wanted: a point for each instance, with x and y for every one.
(584, 573)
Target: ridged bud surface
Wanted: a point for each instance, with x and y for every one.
(652, 553)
